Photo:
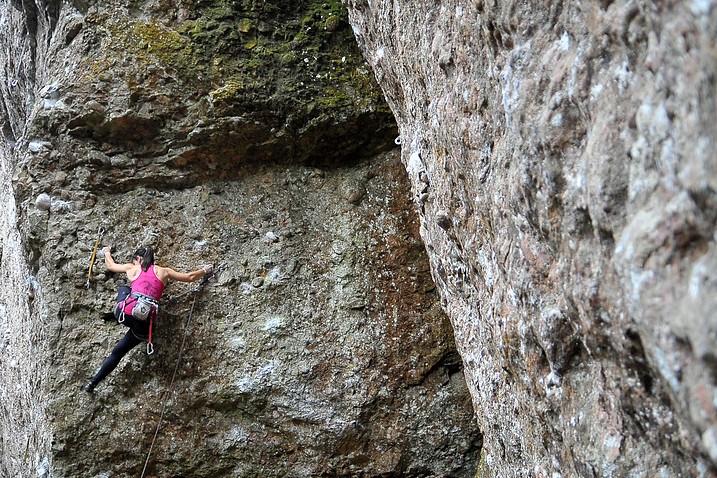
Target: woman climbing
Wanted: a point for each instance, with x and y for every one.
(137, 305)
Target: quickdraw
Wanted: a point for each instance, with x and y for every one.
(100, 233)
(150, 346)
(212, 276)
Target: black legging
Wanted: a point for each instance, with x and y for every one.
(135, 335)
(128, 342)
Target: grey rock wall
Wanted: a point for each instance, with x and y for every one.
(245, 133)
(25, 436)
(320, 350)
(562, 160)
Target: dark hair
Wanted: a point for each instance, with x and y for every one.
(145, 256)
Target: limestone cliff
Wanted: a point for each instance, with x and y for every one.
(562, 159)
(250, 133)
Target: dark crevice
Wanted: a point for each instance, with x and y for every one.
(7, 131)
(638, 362)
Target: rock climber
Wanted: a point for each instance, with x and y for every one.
(137, 305)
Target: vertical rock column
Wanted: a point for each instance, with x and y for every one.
(24, 431)
(562, 161)
(25, 439)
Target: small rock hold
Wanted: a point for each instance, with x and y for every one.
(43, 202)
(709, 441)
(444, 221)
(37, 146)
(72, 32)
(332, 23)
(96, 106)
(552, 385)
(356, 195)
(60, 206)
(60, 177)
(353, 191)
(257, 282)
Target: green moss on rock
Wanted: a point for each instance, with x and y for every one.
(284, 64)
(227, 94)
(332, 23)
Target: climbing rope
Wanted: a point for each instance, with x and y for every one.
(169, 390)
(100, 233)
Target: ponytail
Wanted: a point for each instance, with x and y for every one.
(145, 256)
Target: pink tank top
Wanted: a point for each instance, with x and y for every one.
(146, 283)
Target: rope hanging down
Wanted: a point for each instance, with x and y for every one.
(169, 390)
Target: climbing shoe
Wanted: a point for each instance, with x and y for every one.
(89, 388)
(108, 317)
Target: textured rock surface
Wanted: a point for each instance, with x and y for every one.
(562, 156)
(250, 133)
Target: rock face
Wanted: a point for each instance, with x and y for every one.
(562, 158)
(246, 133)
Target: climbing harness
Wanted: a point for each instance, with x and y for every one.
(145, 308)
(100, 233)
(209, 277)
(143, 305)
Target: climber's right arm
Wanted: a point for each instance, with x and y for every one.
(112, 265)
